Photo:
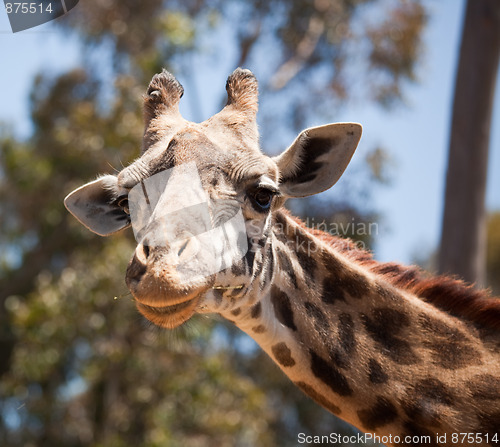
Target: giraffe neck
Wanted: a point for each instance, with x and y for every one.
(376, 356)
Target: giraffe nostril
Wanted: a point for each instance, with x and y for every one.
(145, 249)
(182, 248)
(135, 271)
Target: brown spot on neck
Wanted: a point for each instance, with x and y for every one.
(376, 373)
(319, 398)
(381, 413)
(388, 327)
(330, 375)
(283, 355)
(282, 308)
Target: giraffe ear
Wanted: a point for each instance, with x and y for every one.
(317, 158)
(95, 205)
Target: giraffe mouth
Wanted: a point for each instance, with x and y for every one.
(239, 287)
(171, 316)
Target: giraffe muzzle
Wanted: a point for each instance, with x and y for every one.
(154, 280)
(159, 294)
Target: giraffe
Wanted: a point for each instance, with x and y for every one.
(387, 348)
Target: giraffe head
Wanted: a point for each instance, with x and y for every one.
(201, 197)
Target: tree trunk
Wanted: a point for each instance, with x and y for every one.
(463, 237)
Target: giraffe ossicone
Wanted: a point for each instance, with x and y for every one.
(382, 346)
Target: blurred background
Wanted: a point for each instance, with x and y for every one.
(78, 365)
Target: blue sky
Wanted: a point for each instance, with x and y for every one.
(416, 135)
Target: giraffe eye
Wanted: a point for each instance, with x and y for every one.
(263, 198)
(122, 202)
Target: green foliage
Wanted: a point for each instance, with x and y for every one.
(395, 49)
(87, 360)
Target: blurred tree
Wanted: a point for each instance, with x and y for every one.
(85, 369)
(493, 253)
(463, 234)
(34, 228)
(84, 358)
(314, 51)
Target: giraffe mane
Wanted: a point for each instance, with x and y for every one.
(447, 293)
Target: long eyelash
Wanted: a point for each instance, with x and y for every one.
(274, 191)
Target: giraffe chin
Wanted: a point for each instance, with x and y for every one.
(169, 317)
(162, 300)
